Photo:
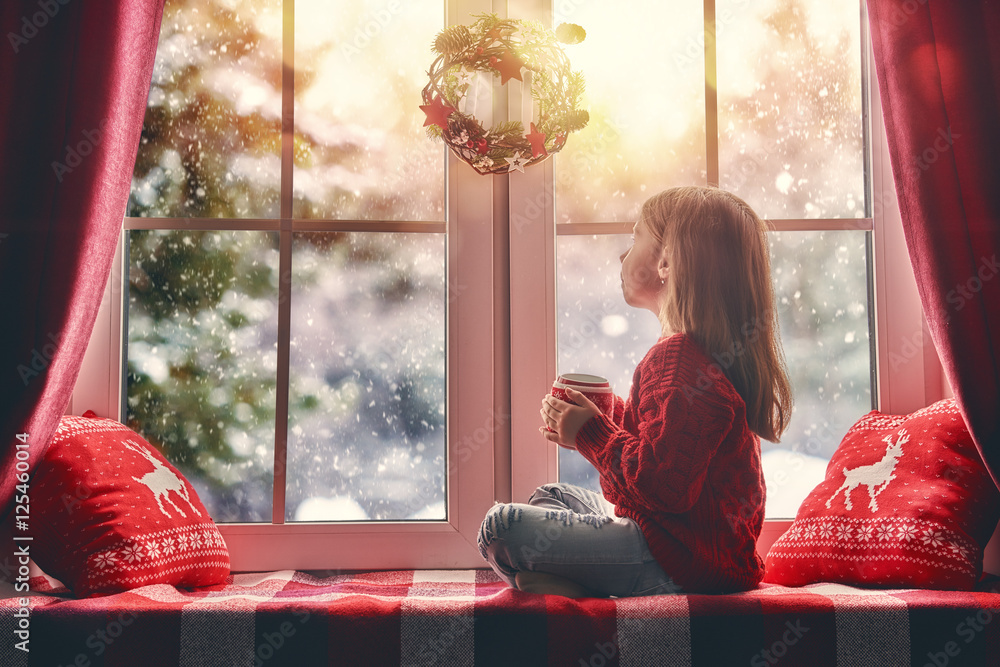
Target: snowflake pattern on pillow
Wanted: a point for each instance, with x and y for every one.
(906, 502)
(112, 514)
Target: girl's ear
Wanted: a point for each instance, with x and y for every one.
(662, 268)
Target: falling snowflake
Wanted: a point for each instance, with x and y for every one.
(826, 530)
(865, 532)
(907, 533)
(784, 182)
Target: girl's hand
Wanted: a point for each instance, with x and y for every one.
(566, 419)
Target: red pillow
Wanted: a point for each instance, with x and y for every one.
(109, 513)
(906, 503)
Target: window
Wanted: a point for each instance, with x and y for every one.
(775, 108)
(292, 282)
(341, 335)
(785, 129)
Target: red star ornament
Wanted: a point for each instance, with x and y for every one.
(537, 140)
(509, 67)
(437, 113)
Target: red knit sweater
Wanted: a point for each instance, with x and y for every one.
(679, 459)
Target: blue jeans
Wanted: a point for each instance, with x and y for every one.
(572, 532)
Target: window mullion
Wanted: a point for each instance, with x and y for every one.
(532, 285)
(284, 261)
(711, 96)
(281, 380)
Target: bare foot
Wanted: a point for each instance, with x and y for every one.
(550, 584)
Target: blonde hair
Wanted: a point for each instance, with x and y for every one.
(719, 292)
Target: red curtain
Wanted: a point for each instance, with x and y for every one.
(74, 78)
(938, 66)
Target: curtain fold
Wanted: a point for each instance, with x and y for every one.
(75, 78)
(938, 67)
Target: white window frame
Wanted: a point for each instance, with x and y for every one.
(477, 411)
(501, 333)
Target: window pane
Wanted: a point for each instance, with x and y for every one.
(790, 106)
(821, 285)
(360, 149)
(644, 62)
(366, 435)
(598, 332)
(200, 355)
(211, 140)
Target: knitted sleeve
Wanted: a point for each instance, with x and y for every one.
(619, 412)
(663, 465)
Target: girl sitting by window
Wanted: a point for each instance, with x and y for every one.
(679, 462)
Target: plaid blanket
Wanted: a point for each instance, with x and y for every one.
(469, 617)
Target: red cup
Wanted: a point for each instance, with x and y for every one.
(594, 387)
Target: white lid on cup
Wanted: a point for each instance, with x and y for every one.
(583, 389)
(583, 379)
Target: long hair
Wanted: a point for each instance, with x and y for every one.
(719, 292)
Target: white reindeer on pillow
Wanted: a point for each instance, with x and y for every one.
(162, 481)
(875, 476)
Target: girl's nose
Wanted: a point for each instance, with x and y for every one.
(621, 257)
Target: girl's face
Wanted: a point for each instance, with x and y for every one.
(644, 272)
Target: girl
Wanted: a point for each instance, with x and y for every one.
(679, 462)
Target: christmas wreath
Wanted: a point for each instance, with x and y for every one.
(470, 57)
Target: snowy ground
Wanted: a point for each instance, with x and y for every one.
(789, 477)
